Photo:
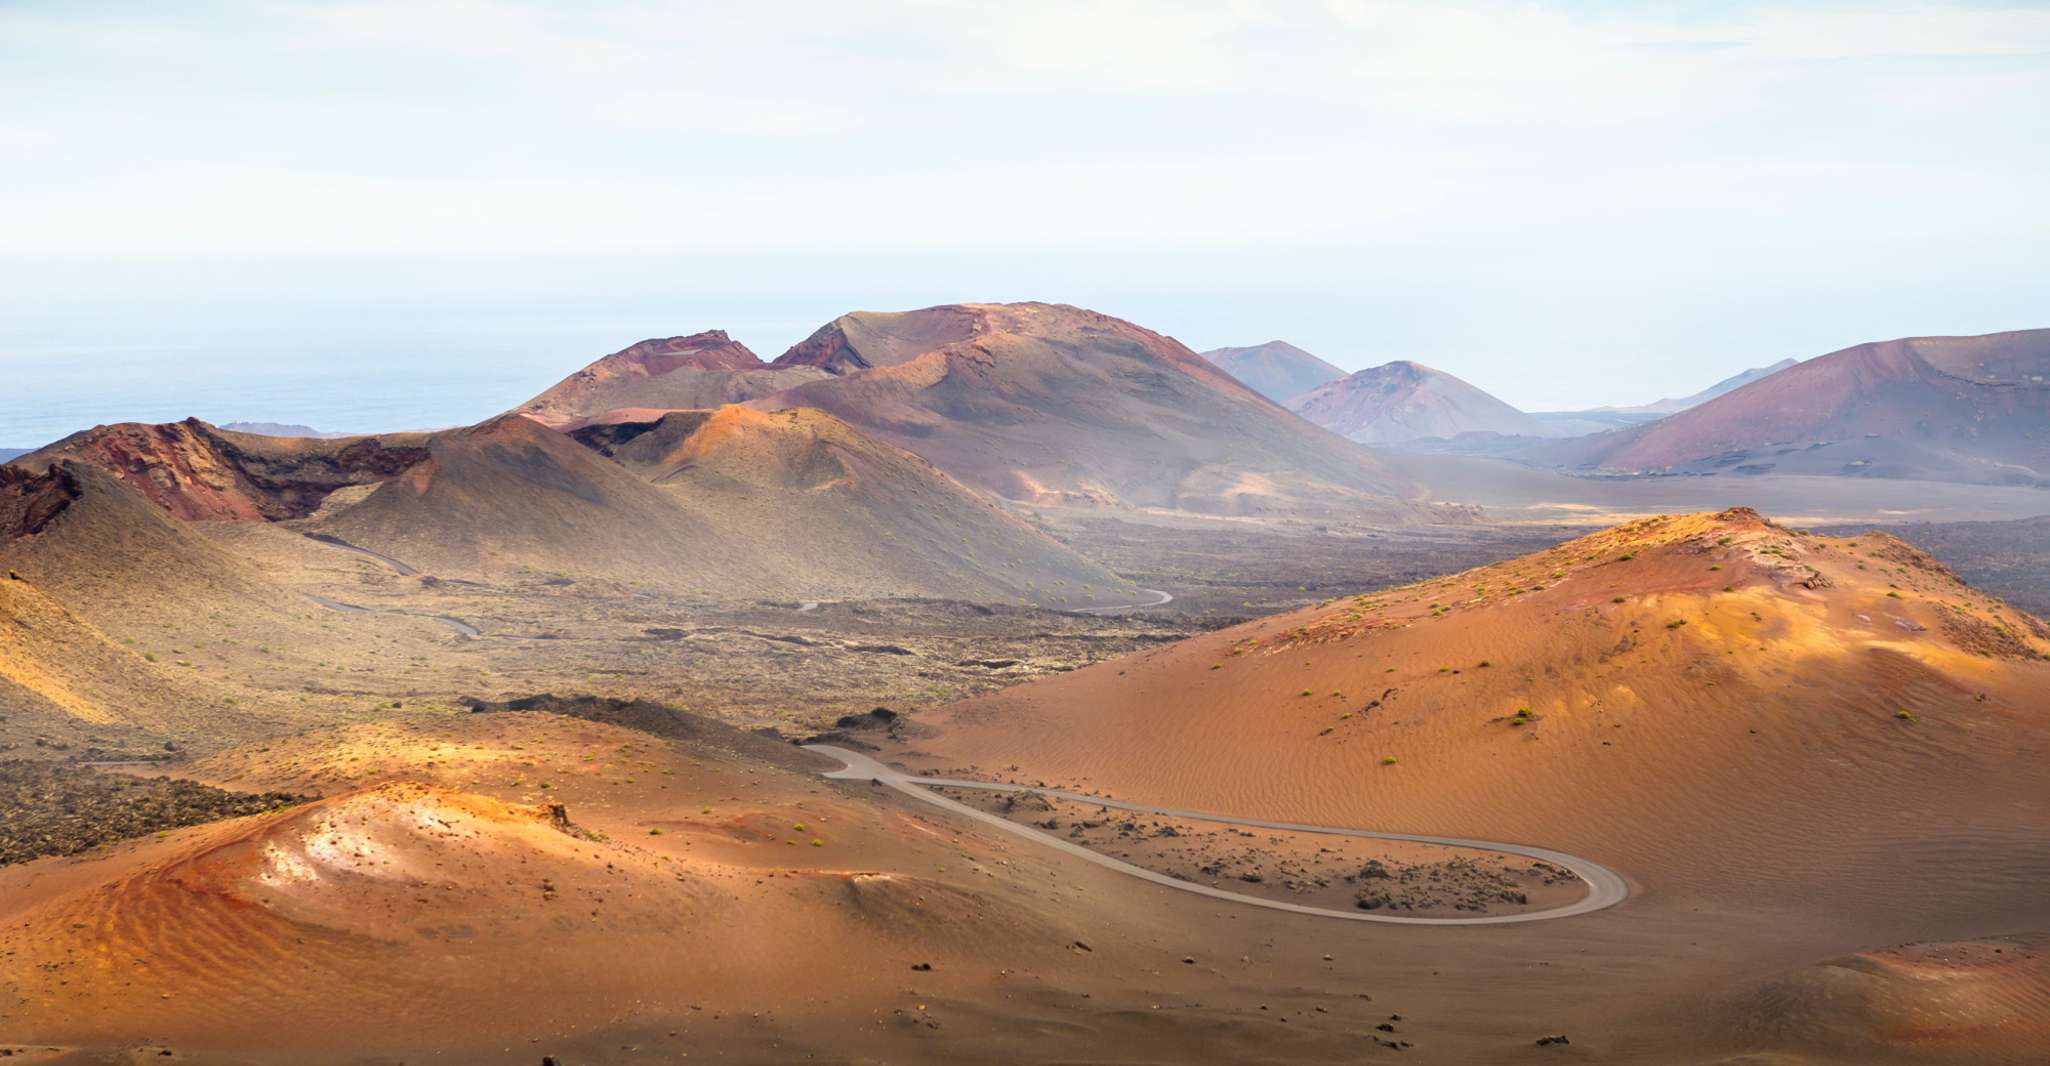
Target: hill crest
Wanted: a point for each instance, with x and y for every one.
(200, 472)
(675, 373)
(1969, 408)
(1277, 369)
(1404, 401)
(1053, 404)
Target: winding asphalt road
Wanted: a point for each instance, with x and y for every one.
(1165, 599)
(403, 570)
(333, 541)
(1604, 887)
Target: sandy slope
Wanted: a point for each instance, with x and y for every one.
(55, 665)
(706, 897)
(125, 617)
(1832, 735)
(1271, 717)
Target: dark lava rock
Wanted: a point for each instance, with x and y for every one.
(56, 809)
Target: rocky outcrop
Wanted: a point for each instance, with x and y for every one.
(199, 472)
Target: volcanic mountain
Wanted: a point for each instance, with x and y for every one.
(726, 504)
(1404, 401)
(702, 370)
(1277, 370)
(511, 496)
(198, 471)
(1050, 403)
(816, 496)
(91, 538)
(91, 567)
(1932, 408)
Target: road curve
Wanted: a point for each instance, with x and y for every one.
(1605, 888)
(329, 539)
(402, 569)
(1165, 599)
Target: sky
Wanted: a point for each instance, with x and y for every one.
(383, 215)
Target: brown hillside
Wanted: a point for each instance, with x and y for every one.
(814, 496)
(511, 496)
(1050, 403)
(1405, 401)
(201, 472)
(55, 665)
(100, 546)
(94, 575)
(1277, 370)
(728, 505)
(702, 370)
(1944, 408)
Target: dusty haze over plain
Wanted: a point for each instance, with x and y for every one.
(379, 215)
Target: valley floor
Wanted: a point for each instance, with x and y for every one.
(371, 849)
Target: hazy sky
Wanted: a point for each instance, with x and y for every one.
(412, 212)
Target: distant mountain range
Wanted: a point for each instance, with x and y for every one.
(882, 455)
(1404, 402)
(1950, 408)
(1729, 384)
(1601, 419)
(1973, 409)
(872, 460)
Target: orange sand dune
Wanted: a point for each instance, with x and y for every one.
(438, 892)
(1707, 703)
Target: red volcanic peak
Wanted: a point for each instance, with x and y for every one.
(710, 350)
(201, 473)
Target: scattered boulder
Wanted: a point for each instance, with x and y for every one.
(1028, 803)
